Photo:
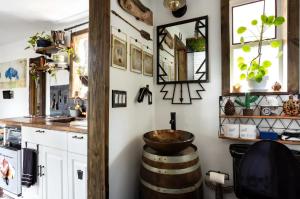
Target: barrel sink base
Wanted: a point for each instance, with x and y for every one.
(176, 176)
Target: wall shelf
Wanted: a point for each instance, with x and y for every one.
(256, 140)
(49, 50)
(261, 117)
(278, 123)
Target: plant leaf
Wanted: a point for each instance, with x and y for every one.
(270, 20)
(251, 75)
(264, 19)
(267, 64)
(279, 21)
(253, 99)
(240, 60)
(239, 103)
(254, 22)
(243, 66)
(241, 30)
(246, 48)
(275, 44)
(243, 76)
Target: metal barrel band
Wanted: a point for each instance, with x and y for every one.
(171, 159)
(171, 171)
(172, 191)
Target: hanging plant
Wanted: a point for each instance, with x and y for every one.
(39, 40)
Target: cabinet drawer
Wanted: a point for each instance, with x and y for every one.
(77, 143)
(50, 138)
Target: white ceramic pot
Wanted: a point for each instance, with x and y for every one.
(254, 86)
(231, 130)
(248, 131)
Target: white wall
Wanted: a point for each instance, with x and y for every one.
(127, 125)
(201, 118)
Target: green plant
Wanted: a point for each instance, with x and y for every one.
(257, 69)
(196, 44)
(248, 101)
(38, 36)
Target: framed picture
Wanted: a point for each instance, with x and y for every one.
(119, 53)
(13, 74)
(148, 64)
(136, 59)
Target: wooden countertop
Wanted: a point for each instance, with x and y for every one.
(44, 123)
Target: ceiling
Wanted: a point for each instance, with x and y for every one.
(18, 19)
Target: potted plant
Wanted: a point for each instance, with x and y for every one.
(39, 40)
(256, 71)
(247, 111)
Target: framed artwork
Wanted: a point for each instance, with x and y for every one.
(13, 74)
(148, 64)
(79, 67)
(136, 59)
(119, 53)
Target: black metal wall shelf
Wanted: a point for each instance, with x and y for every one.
(273, 123)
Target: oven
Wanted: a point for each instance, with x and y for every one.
(10, 161)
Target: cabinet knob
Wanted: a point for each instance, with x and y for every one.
(39, 131)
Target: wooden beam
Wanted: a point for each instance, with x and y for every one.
(225, 37)
(98, 99)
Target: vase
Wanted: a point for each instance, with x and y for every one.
(42, 43)
(248, 112)
(254, 86)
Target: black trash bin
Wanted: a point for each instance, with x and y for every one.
(237, 151)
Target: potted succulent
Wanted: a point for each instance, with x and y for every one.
(247, 111)
(256, 71)
(39, 40)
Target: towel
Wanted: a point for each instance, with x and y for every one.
(29, 176)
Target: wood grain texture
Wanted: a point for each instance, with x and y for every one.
(152, 173)
(98, 99)
(43, 123)
(293, 46)
(34, 109)
(225, 37)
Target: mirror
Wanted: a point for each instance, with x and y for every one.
(183, 51)
(260, 56)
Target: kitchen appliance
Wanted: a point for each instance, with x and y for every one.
(10, 161)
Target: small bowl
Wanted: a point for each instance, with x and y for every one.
(168, 141)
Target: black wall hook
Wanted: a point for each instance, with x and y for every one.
(143, 92)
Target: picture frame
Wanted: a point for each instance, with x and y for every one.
(118, 53)
(136, 59)
(147, 64)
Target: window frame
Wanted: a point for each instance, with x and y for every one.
(292, 49)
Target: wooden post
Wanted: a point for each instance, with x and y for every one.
(98, 100)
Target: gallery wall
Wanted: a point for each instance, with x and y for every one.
(127, 125)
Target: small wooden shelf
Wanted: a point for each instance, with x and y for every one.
(261, 117)
(256, 140)
(49, 50)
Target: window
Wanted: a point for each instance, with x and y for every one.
(242, 12)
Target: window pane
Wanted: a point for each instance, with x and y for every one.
(242, 15)
(275, 72)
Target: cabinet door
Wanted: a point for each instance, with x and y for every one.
(54, 173)
(77, 168)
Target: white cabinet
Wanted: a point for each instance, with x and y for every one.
(77, 170)
(62, 164)
(54, 173)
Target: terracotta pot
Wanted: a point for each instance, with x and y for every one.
(248, 112)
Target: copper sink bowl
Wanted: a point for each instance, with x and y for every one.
(168, 141)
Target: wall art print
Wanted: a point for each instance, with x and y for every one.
(13, 74)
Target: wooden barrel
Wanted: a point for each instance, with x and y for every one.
(175, 176)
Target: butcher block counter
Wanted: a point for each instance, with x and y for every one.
(47, 123)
